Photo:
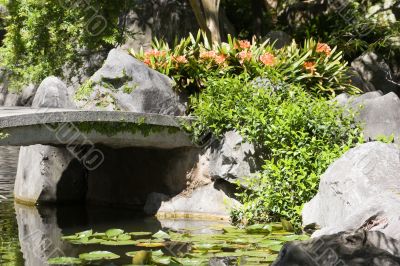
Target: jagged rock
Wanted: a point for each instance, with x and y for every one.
(52, 92)
(345, 248)
(124, 83)
(378, 114)
(233, 158)
(374, 71)
(206, 201)
(359, 190)
(47, 173)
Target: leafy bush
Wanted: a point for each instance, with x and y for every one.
(43, 37)
(315, 66)
(298, 136)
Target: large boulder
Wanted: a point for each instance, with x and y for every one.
(232, 158)
(375, 72)
(126, 84)
(52, 93)
(359, 190)
(209, 201)
(345, 248)
(378, 114)
(47, 173)
(12, 99)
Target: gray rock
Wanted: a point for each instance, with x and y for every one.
(359, 190)
(379, 115)
(375, 71)
(12, 99)
(207, 202)
(359, 82)
(279, 38)
(126, 84)
(49, 174)
(345, 248)
(52, 92)
(233, 158)
(28, 93)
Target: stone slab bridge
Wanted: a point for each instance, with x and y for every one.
(21, 126)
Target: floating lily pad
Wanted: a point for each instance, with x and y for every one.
(140, 233)
(98, 255)
(64, 261)
(150, 244)
(162, 235)
(259, 228)
(114, 232)
(118, 242)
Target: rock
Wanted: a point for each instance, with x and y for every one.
(279, 38)
(126, 84)
(379, 115)
(232, 158)
(359, 82)
(28, 93)
(375, 71)
(49, 174)
(52, 92)
(345, 248)
(208, 201)
(359, 190)
(12, 99)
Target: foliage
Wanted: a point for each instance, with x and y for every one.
(38, 45)
(315, 66)
(298, 137)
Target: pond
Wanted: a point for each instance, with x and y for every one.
(34, 235)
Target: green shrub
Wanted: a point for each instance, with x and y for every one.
(298, 135)
(44, 37)
(315, 66)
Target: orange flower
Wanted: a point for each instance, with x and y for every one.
(268, 59)
(220, 59)
(155, 53)
(208, 55)
(181, 59)
(310, 66)
(324, 48)
(244, 56)
(147, 61)
(244, 44)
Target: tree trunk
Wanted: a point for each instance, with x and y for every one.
(207, 15)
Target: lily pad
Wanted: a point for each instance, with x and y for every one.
(98, 255)
(140, 233)
(259, 228)
(114, 232)
(150, 244)
(64, 261)
(118, 242)
(162, 235)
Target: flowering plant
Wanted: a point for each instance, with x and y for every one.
(315, 66)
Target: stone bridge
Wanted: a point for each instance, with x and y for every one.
(53, 126)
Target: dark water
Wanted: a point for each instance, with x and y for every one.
(31, 235)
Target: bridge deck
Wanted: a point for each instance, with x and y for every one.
(29, 126)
